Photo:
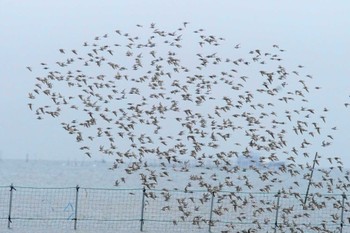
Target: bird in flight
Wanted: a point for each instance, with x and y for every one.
(189, 101)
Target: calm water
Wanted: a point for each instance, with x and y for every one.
(39, 173)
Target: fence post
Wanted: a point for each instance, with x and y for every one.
(10, 206)
(277, 209)
(310, 179)
(76, 207)
(342, 213)
(142, 208)
(211, 211)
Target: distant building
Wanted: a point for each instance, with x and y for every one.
(245, 162)
(254, 160)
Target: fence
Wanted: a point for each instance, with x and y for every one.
(79, 209)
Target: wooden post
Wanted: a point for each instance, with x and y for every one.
(76, 207)
(10, 206)
(211, 211)
(142, 208)
(342, 213)
(277, 209)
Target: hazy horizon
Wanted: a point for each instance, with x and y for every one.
(313, 35)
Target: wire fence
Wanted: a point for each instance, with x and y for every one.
(83, 209)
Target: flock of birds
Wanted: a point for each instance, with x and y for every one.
(194, 103)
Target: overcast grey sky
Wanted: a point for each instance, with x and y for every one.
(314, 33)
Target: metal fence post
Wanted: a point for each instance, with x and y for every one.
(277, 208)
(342, 213)
(10, 206)
(76, 207)
(142, 208)
(211, 211)
(310, 179)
